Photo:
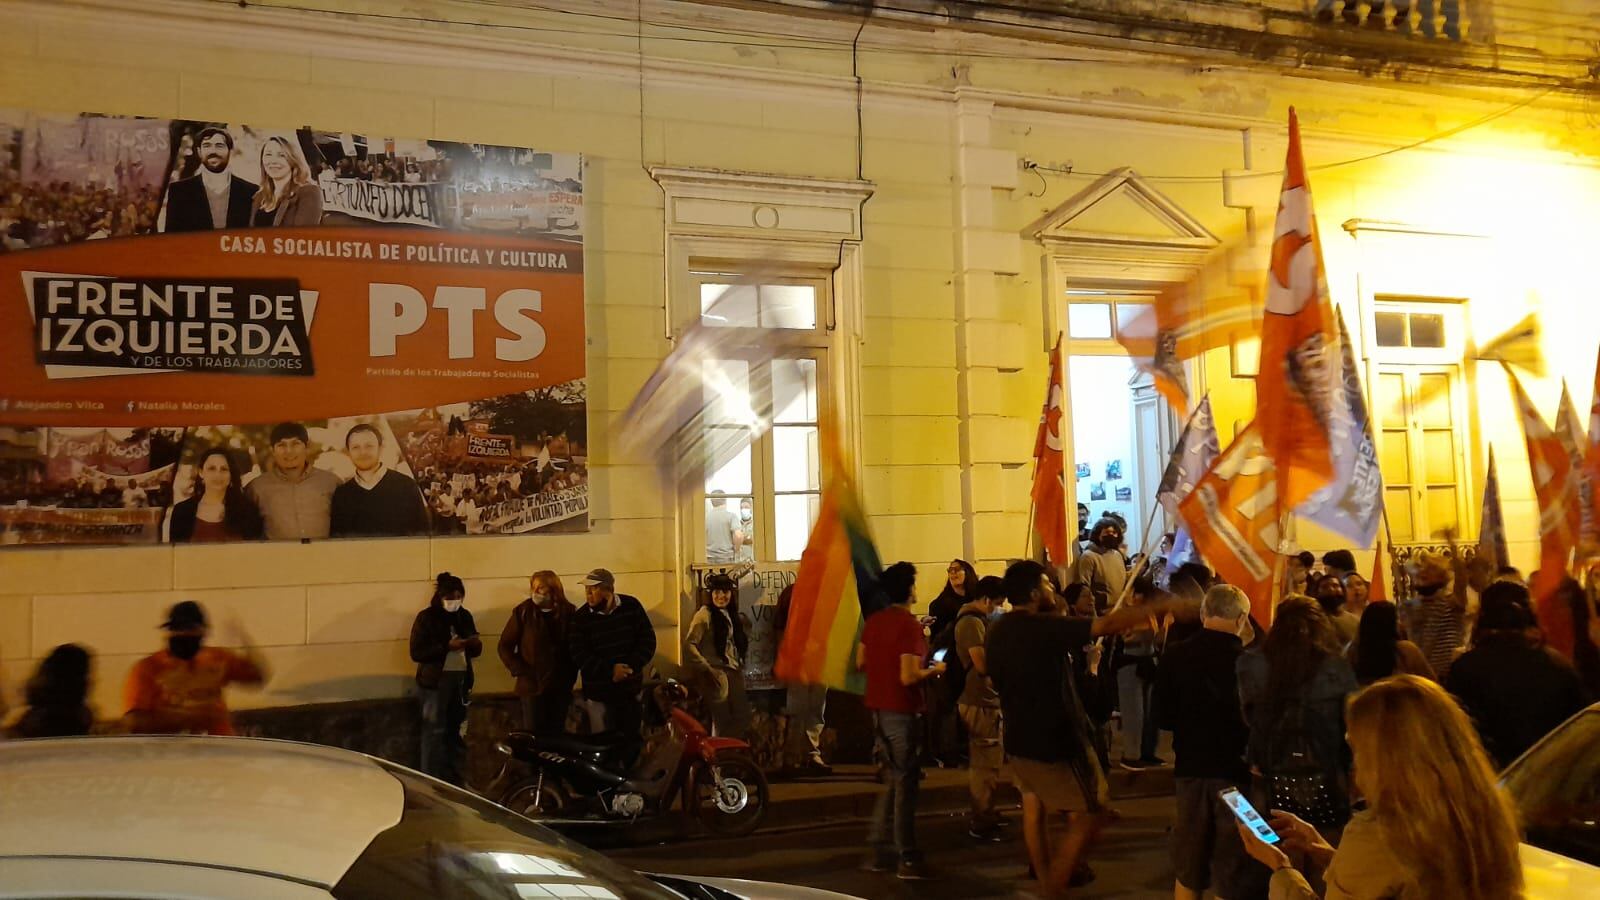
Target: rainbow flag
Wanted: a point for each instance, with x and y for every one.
(835, 590)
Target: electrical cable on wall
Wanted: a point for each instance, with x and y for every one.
(1203, 179)
(1190, 63)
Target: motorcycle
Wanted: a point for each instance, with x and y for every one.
(572, 780)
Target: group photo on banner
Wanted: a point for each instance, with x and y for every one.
(214, 331)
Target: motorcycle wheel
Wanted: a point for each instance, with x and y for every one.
(533, 800)
(732, 799)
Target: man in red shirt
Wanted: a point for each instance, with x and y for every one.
(179, 690)
(893, 653)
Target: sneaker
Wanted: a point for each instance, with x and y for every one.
(1132, 765)
(816, 767)
(988, 835)
(1152, 762)
(1081, 876)
(913, 870)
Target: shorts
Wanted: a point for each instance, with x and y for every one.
(1060, 787)
(1206, 848)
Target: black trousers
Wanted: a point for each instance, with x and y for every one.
(545, 713)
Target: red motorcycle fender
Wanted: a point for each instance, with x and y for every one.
(710, 746)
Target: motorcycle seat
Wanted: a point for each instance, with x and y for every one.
(594, 746)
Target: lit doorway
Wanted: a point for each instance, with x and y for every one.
(1122, 429)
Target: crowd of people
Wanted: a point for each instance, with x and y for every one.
(457, 497)
(44, 214)
(1368, 732)
(389, 169)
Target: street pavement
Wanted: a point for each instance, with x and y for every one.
(1132, 859)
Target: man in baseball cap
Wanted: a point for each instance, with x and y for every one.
(612, 641)
(179, 690)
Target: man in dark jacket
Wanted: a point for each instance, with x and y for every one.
(612, 640)
(533, 647)
(211, 198)
(1516, 691)
(1197, 699)
(378, 500)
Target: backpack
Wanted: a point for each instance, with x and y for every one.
(954, 680)
(1298, 782)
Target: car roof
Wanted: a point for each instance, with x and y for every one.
(291, 810)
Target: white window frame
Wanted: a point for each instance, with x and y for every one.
(770, 227)
(790, 343)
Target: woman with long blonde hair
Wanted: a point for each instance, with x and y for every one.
(287, 197)
(1436, 824)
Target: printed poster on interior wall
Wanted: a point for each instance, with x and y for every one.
(218, 331)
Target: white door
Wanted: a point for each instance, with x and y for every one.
(1421, 438)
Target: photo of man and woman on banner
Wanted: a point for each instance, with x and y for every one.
(143, 364)
(507, 465)
(65, 179)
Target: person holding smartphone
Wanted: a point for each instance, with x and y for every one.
(1436, 824)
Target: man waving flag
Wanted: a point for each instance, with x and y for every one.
(1298, 381)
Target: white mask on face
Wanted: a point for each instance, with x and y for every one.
(452, 605)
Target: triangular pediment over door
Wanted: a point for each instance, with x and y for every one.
(1122, 227)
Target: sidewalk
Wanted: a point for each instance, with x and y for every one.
(851, 791)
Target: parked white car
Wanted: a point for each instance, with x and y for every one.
(186, 818)
(1556, 786)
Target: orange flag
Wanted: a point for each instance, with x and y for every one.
(1299, 375)
(1049, 470)
(1589, 481)
(1378, 588)
(1208, 310)
(1569, 430)
(1232, 516)
(1551, 467)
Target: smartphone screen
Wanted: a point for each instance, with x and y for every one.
(940, 654)
(1248, 815)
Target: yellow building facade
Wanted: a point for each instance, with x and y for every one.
(948, 195)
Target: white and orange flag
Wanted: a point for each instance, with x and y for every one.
(1298, 381)
(1049, 470)
(1551, 467)
(1569, 430)
(1232, 516)
(1589, 481)
(1211, 309)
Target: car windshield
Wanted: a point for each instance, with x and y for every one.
(451, 844)
(1556, 787)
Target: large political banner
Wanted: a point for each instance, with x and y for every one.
(214, 331)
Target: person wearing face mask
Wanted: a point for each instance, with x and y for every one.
(444, 642)
(179, 690)
(1329, 592)
(533, 646)
(1102, 567)
(1197, 699)
(714, 650)
(747, 531)
(1436, 619)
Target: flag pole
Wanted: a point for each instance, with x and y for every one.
(1144, 555)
